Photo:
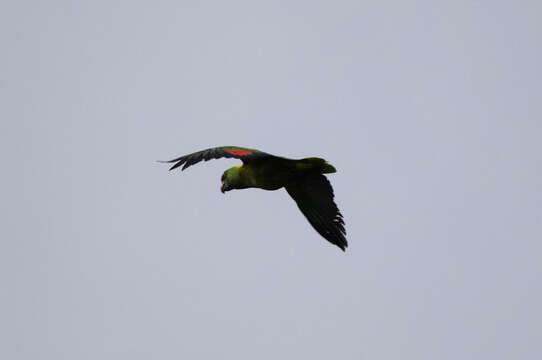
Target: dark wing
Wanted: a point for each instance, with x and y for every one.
(216, 153)
(314, 197)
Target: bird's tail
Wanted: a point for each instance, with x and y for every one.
(318, 164)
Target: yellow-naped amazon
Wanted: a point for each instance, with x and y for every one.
(303, 180)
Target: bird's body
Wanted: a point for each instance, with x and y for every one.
(303, 180)
(274, 173)
(268, 175)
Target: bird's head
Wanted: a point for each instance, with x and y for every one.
(230, 179)
(225, 183)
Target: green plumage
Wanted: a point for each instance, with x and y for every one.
(303, 179)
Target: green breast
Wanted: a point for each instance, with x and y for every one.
(269, 174)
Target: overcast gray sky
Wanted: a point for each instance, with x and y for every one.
(430, 111)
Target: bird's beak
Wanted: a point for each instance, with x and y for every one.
(223, 188)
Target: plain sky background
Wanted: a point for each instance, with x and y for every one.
(431, 112)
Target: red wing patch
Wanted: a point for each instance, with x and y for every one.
(239, 152)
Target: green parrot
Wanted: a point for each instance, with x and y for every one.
(303, 179)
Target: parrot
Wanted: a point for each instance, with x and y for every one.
(303, 179)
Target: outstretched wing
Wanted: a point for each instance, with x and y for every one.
(216, 153)
(314, 197)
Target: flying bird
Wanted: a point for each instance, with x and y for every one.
(303, 179)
